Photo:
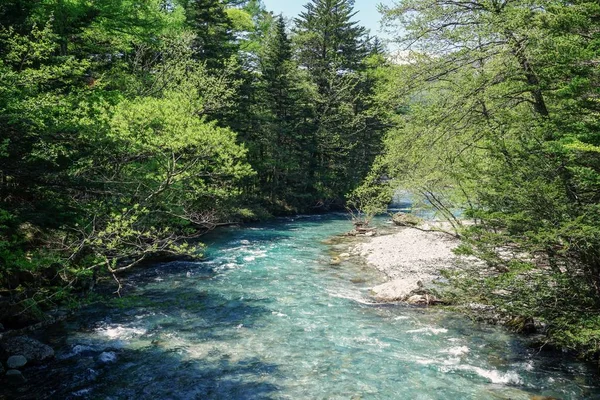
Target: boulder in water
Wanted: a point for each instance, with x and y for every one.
(15, 362)
(31, 349)
(394, 290)
(335, 261)
(403, 219)
(107, 357)
(15, 377)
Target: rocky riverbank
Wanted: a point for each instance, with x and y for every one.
(18, 353)
(412, 259)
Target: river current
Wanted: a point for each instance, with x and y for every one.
(266, 317)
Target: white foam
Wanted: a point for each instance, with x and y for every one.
(425, 361)
(357, 297)
(82, 392)
(456, 351)
(120, 332)
(492, 375)
(429, 330)
(278, 314)
(528, 366)
(371, 342)
(445, 364)
(230, 265)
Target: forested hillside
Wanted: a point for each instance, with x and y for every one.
(128, 128)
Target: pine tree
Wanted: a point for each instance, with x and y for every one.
(283, 109)
(276, 69)
(333, 47)
(215, 41)
(328, 38)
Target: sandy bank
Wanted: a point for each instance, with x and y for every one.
(411, 259)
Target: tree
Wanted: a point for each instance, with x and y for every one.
(215, 41)
(496, 105)
(328, 39)
(283, 109)
(332, 48)
(106, 154)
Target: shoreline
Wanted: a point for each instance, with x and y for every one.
(412, 259)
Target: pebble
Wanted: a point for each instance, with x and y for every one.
(15, 362)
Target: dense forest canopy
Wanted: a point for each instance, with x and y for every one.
(129, 128)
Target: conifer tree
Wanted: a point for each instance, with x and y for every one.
(328, 37)
(333, 47)
(283, 109)
(215, 41)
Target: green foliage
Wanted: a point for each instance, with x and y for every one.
(213, 27)
(129, 128)
(496, 114)
(107, 158)
(347, 128)
(371, 198)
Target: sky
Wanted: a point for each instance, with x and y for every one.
(367, 11)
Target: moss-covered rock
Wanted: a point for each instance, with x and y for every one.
(403, 219)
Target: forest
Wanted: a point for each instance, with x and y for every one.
(128, 129)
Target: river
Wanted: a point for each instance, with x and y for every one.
(266, 317)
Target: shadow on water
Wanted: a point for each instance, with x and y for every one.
(180, 351)
(149, 373)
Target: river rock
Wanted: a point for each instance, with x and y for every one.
(522, 324)
(31, 349)
(335, 261)
(15, 362)
(403, 219)
(394, 290)
(345, 255)
(107, 357)
(15, 377)
(417, 299)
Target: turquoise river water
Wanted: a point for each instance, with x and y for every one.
(267, 317)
